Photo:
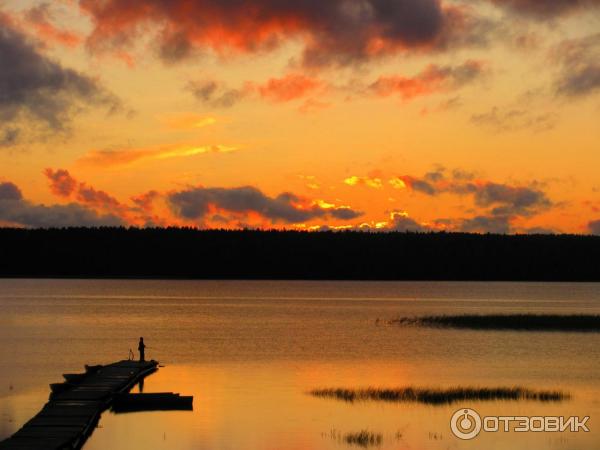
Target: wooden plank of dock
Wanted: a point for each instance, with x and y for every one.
(69, 417)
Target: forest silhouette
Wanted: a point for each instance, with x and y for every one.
(190, 253)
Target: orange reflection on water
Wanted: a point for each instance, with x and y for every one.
(265, 406)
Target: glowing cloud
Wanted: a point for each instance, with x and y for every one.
(330, 32)
(40, 17)
(354, 180)
(397, 183)
(198, 203)
(289, 87)
(187, 121)
(433, 79)
(108, 158)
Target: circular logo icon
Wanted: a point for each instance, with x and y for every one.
(465, 424)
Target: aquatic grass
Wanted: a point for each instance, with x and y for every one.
(516, 322)
(432, 396)
(364, 438)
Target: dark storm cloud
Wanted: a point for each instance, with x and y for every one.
(513, 119)
(62, 184)
(9, 136)
(582, 81)
(544, 9)
(498, 205)
(215, 94)
(462, 175)
(38, 90)
(197, 203)
(435, 176)
(203, 90)
(344, 213)
(433, 79)
(16, 210)
(175, 47)
(332, 31)
(510, 200)
(594, 227)
(40, 21)
(538, 230)
(10, 191)
(501, 200)
(486, 224)
(480, 223)
(438, 181)
(423, 186)
(401, 222)
(580, 66)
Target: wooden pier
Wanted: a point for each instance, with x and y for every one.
(74, 407)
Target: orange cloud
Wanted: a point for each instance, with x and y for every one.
(100, 199)
(39, 17)
(83, 197)
(431, 80)
(146, 200)
(414, 184)
(108, 158)
(354, 180)
(290, 87)
(199, 204)
(330, 32)
(63, 184)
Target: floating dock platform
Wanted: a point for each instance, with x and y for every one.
(75, 406)
(158, 401)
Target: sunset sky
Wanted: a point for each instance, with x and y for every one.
(457, 115)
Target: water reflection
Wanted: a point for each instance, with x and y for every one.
(258, 406)
(250, 351)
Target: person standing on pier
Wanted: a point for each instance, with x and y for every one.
(142, 349)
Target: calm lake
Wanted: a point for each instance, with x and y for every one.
(250, 351)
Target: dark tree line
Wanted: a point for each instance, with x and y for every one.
(214, 254)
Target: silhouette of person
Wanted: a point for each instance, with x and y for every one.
(142, 349)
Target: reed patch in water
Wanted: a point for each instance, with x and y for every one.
(517, 322)
(364, 438)
(432, 396)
